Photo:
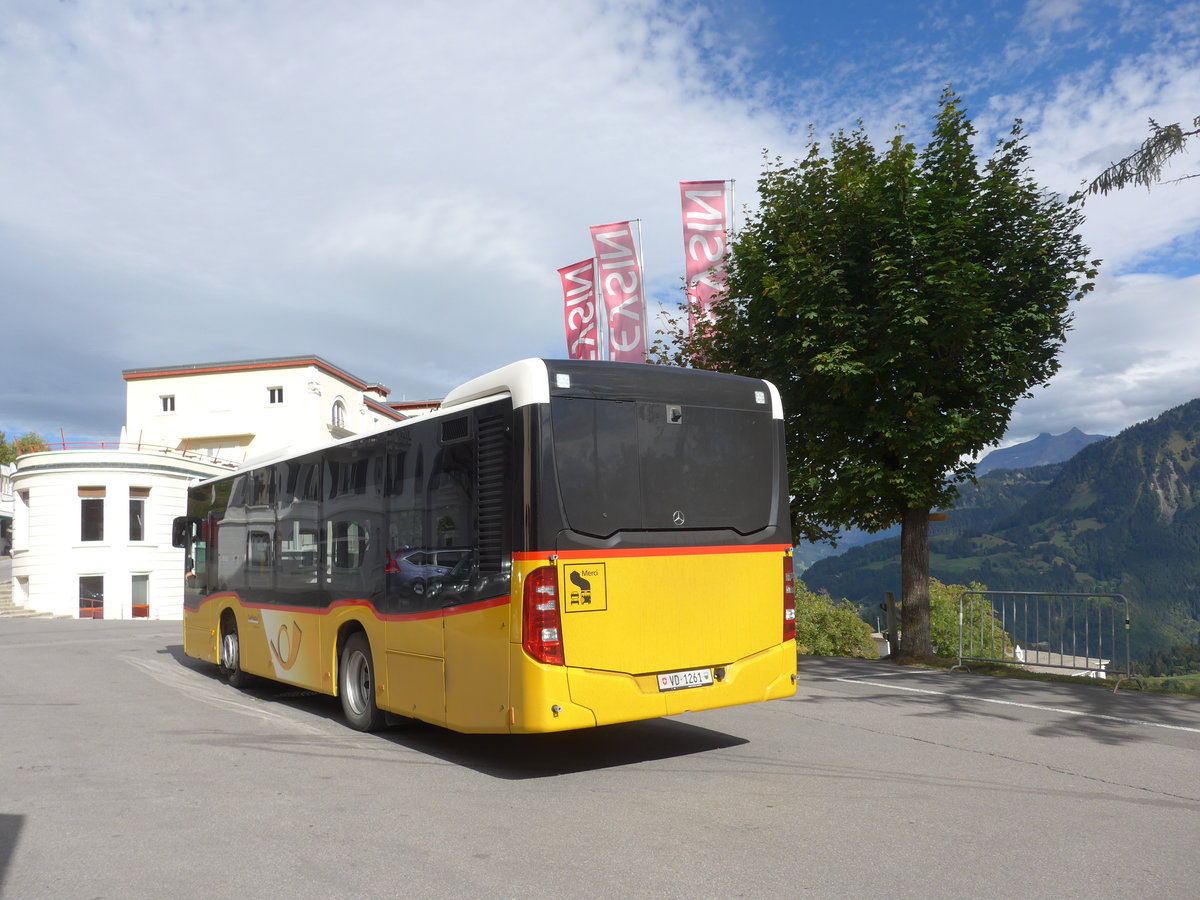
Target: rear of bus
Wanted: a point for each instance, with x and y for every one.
(653, 564)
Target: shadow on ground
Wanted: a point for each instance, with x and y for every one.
(503, 755)
(1085, 708)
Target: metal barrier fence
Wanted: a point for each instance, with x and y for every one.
(1077, 632)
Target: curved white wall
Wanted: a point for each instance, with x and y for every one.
(49, 555)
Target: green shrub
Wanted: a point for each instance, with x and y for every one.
(825, 627)
(1185, 684)
(828, 628)
(943, 618)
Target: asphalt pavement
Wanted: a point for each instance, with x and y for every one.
(130, 771)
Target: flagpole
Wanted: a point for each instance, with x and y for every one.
(601, 312)
(642, 288)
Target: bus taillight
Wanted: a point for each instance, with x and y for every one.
(541, 624)
(789, 600)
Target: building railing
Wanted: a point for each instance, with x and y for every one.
(135, 447)
(1079, 632)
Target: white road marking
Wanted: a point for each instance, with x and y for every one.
(1053, 709)
(201, 688)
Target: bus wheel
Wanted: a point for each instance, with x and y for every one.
(356, 684)
(230, 665)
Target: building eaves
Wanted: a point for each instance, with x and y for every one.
(383, 409)
(250, 365)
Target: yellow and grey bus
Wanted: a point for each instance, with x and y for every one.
(562, 544)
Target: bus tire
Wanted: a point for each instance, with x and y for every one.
(356, 684)
(230, 655)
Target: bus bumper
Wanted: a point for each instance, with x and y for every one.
(556, 698)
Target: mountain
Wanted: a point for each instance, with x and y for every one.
(1121, 516)
(1042, 450)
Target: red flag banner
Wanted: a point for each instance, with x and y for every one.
(705, 224)
(579, 310)
(621, 285)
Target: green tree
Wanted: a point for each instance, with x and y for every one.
(1145, 164)
(26, 443)
(902, 301)
(978, 613)
(825, 627)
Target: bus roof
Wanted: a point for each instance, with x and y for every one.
(527, 382)
(533, 381)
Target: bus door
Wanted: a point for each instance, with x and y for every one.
(416, 669)
(468, 486)
(414, 633)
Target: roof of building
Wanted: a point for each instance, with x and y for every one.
(396, 415)
(250, 365)
(411, 406)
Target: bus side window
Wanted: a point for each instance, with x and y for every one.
(186, 530)
(232, 536)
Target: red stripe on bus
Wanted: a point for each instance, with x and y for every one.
(477, 606)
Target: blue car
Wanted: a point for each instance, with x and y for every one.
(418, 571)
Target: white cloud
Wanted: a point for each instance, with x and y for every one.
(393, 185)
(272, 178)
(1131, 355)
(1094, 116)
(1134, 351)
(1048, 16)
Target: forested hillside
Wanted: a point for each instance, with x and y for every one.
(1122, 516)
(1043, 450)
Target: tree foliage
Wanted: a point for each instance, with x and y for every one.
(944, 602)
(26, 443)
(825, 627)
(1181, 659)
(902, 300)
(1144, 166)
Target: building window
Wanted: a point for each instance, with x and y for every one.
(91, 513)
(168, 402)
(141, 605)
(91, 596)
(338, 419)
(275, 395)
(258, 551)
(137, 513)
(349, 545)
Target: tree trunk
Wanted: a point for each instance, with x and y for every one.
(915, 643)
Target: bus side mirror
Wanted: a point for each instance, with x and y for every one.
(184, 530)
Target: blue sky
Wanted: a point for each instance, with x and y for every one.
(392, 185)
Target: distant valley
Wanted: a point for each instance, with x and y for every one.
(1120, 515)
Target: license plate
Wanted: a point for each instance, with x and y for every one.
(678, 681)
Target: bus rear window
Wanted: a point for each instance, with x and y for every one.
(636, 466)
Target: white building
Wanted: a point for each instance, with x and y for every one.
(236, 410)
(92, 532)
(6, 506)
(92, 527)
